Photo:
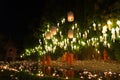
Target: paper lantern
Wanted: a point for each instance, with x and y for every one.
(53, 30)
(70, 16)
(48, 35)
(70, 34)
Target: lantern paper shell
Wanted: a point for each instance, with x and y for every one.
(70, 16)
(53, 30)
(48, 35)
(70, 34)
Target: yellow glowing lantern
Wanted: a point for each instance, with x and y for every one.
(48, 35)
(53, 30)
(70, 34)
(70, 16)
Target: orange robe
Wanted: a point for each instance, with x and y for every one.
(105, 55)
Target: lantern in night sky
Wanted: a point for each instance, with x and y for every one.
(53, 30)
(70, 16)
(48, 35)
(70, 34)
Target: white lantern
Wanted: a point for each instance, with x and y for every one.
(53, 30)
(48, 35)
(70, 34)
(70, 16)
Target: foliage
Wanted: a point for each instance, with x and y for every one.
(96, 35)
(92, 27)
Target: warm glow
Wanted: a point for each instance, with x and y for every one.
(70, 16)
(53, 30)
(94, 34)
(48, 35)
(70, 34)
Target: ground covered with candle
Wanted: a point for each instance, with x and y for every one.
(81, 70)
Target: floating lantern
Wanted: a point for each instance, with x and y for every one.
(70, 16)
(48, 35)
(70, 34)
(53, 30)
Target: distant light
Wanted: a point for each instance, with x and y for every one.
(94, 24)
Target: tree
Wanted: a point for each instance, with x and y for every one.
(89, 31)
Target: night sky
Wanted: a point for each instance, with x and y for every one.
(18, 16)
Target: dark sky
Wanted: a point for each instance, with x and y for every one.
(17, 15)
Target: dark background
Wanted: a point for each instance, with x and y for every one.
(19, 17)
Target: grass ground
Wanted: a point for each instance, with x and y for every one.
(91, 65)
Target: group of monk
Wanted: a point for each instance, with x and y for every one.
(46, 60)
(69, 58)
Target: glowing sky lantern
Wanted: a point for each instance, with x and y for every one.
(70, 34)
(48, 35)
(53, 30)
(70, 16)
